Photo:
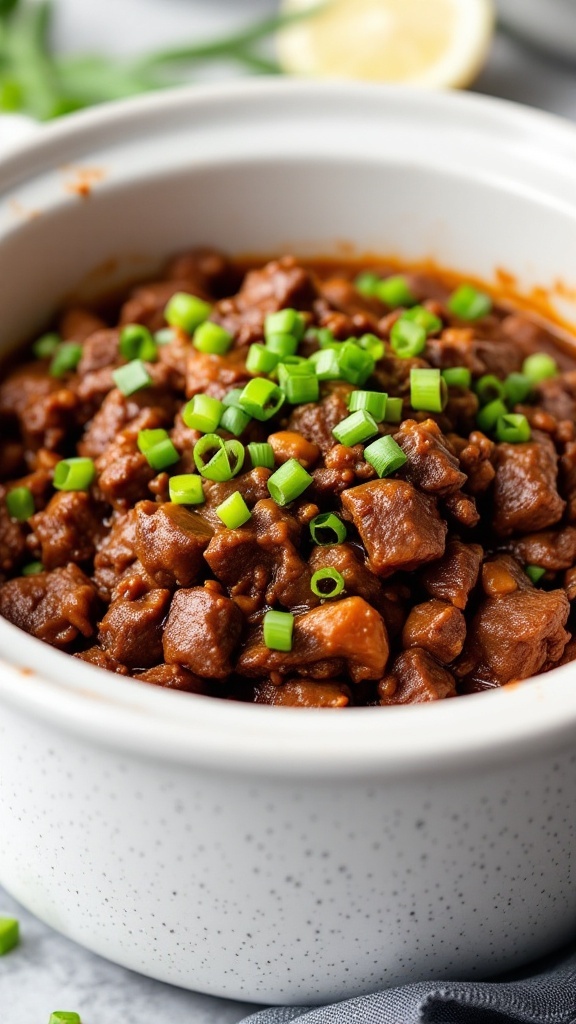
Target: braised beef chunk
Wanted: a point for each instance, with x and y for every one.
(447, 561)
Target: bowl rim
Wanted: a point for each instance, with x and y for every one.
(81, 699)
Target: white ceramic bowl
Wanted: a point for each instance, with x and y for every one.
(260, 853)
(550, 24)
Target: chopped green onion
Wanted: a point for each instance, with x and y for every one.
(324, 337)
(407, 339)
(226, 458)
(385, 455)
(467, 303)
(424, 318)
(428, 391)
(132, 377)
(212, 339)
(234, 512)
(327, 365)
(282, 345)
(235, 420)
(513, 428)
(261, 359)
(299, 384)
(64, 1017)
(261, 454)
(288, 482)
(372, 344)
(20, 503)
(394, 410)
(9, 934)
(367, 283)
(534, 573)
(488, 388)
(517, 388)
(46, 346)
(203, 413)
(457, 376)
(327, 583)
(488, 417)
(395, 291)
(158, 449)
(373, 402)
(286, 321)
(232, 398)
(327, 529)
(539, 366)
(32, 569)
(355, 429)
(136, 342)
(186, 489)
(356, 364)
(278, 629)
(261, 398)
(186, 311)
(65, 359)
(294, 366)
(75, 474)
(164, 336)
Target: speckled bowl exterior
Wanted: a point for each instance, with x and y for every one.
(267, 854)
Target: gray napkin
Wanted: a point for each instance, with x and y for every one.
(547, 995)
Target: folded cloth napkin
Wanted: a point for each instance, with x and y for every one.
(545, 995)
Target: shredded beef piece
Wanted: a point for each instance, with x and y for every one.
(55, 606)
(462, 508)
(455, 575)
(431, 465)
(174, 677)
(476, 458)
(69, 528)
(525, 492)
(131, 631)
(400, 528)
(350, 629)
(277, 285)
(303, 693)
(202, 632)
(170, 543)
(416, 678)
(437, 627)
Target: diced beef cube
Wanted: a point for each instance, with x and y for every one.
(437, 627)
(116, 552)
(78, 323)
(205, 270)
(55, 606)
(550, 549)
(416, 678)
(350, 630)
(525, 489)
(101, 659)
(455, 575)
(99, 350)
(277, 285)
(45, 423)
(316, 421)
(252, 486)
(131, 631)
(462, 508)
(12, 539)
(289, 445)
(146, 410)
(303, 693)
(27, 385)
(476, 459)
(170, 542)
(360, 581)
(68, 529)
(557, 396)
(399, 527)
(214, 375)
(431, 465)
(202, 632)
(173, 677)
(147, 303)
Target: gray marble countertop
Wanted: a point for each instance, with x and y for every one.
(48, 972)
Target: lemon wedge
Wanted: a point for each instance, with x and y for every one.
(429, 43)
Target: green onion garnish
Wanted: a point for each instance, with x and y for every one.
(136, 342)
(517, 388)
(457, 376)
(261, 359)
(158, 449)
(20, 503)
(234, 420)
(9, 934)
(288, 482)
(372, 344)
(75, 474)
(385, 455)
(282, 345)
(203, 413)
(46, 346)
(356, 364)
(286, 321)
(299, 383)
(327, 529)
(186, 311)
(64, 1017)
(488, 417)
(513, 428)
(32, 569)
(324, 337)
(186, 489)
(407, 339)
(232, 398)
(212, 339)
(395, 291)
(356, 429)
(534, 573)
(261, 398)
(424, 318)
(467, 303)
(225, 458)
(373, 402)
(327, 365)
(327, 583)
(261, 454)
(539, 366)
(278, 629)
(488, 388)
(132, 377)
(367, 283)
(164, 336)
(234, 512)
(428, 392)
(394, 410)
(65, 359)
